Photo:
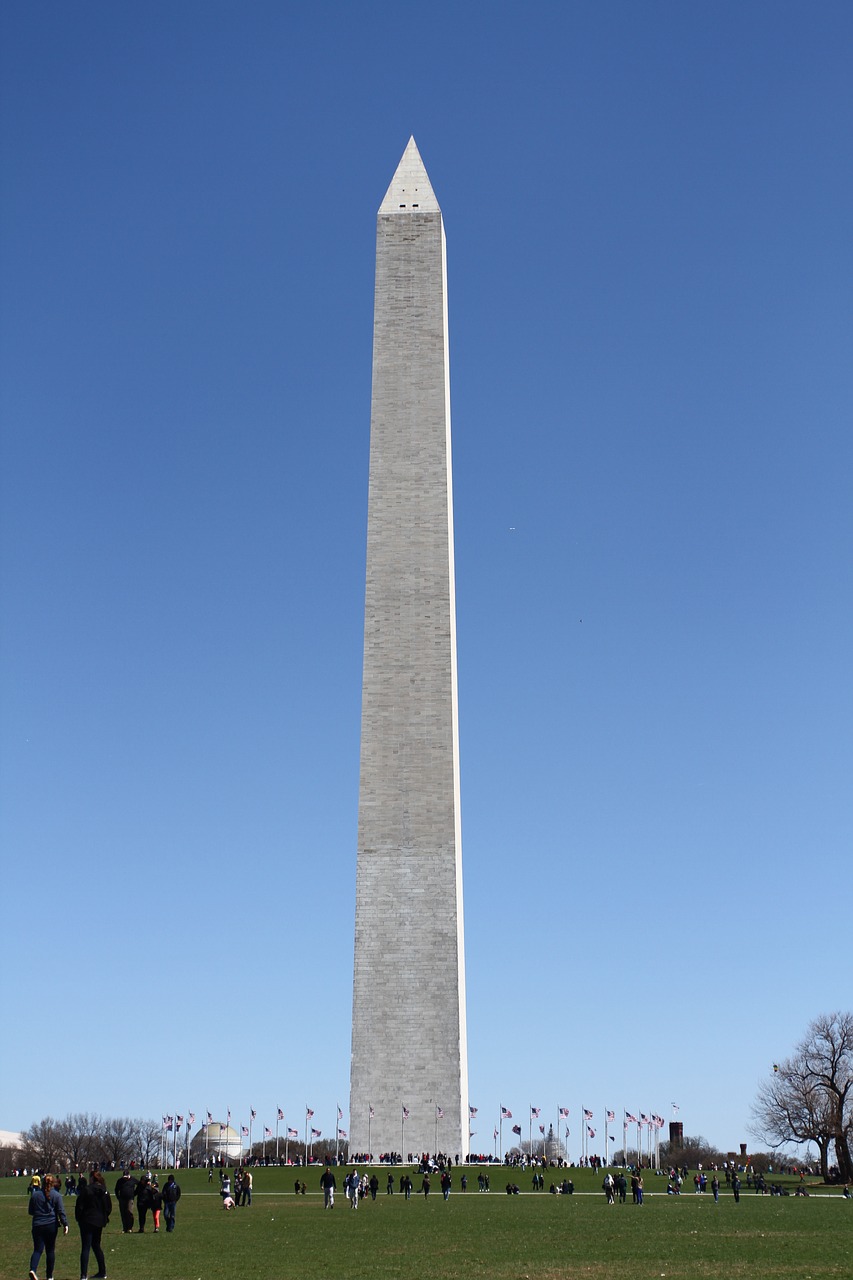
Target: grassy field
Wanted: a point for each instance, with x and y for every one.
(473, 1235)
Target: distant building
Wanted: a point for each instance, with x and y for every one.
(217, 1142)
(676, 1134)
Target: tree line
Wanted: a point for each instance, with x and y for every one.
(82, 1139)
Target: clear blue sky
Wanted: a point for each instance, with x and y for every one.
(648, 212)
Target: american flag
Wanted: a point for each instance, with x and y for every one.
(644, 1119)
(342, 1133)
(564, 1113)
(506, 1114)
(191, 1119)
(542, 1130)
(611, 1115)
(229, 1116)
(267, 1132)
(179, 1121)
(495, 1134)
(309, 1113)
(340, 1114)
(472, 1111)
(588, 1114)
(280, 1114)
(516, 1128)
(315, 1133)
(291, 1133)
(244, 1129)
(405, 1113)
(254, 1114)
(567, 1131)
(676, 1107)
(630, 1118)
(210, 1117)
(371, 1113)
(535, 1112)
(439, 1112)
(591, 1132)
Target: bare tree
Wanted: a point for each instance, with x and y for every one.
(809, 1097)
(79, 1137)
(117, 1141)
(41, 1145)
(147, 1137)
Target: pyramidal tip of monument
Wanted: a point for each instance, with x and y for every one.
(410, 190)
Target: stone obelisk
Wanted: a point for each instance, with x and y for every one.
(409, 1076)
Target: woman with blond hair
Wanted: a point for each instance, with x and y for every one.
(47, 1211)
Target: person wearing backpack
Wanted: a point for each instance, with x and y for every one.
(171, 1196)
(92, 1211)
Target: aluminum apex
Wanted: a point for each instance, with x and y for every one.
(410, 189)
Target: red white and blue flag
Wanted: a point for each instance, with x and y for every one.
(472, 1111)
(516, 1128)
(564, 1113)
(280, 1114)
(542, 1130)
(588, 1114)
(191, 1119)
(439, 1113)
(340, 1114)
(315, 1133)
(267, 1132)
(591, 1132)
(535, 1112)
(342, 1133)
(244, 1129)
(405, 1113)
(254, 1114)
(291, 1133)
(611, 1115)
(309, 1113)
(630, 1118)
(506, 1114)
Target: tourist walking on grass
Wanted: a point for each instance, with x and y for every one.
(125, 1190)
(92, 1211)
(47, 1212)
(156, 1203)
(327, 1182)
(171, 1196)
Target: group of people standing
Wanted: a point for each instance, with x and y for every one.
(145, 1192)
(92, 1208)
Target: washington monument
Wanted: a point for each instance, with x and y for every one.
(409, 1081)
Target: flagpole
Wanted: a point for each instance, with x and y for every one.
(369, 1117)
(501, 1135)
(606, 1147)
(435, 1135)
(276, 1134)
(530, 1131)
(175, 1131)
(337, 1131)
(402, 1130)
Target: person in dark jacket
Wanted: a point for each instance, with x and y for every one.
(92, 1212)
(125, 1194)
(144, 1200)
(47, 1211)
(171, 1196)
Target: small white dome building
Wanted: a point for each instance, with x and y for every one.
(216, 1141)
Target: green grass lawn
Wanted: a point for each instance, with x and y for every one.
(473, 1235)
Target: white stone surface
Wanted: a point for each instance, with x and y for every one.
(409, 1045)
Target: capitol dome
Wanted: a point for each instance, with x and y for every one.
(216, 1140)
